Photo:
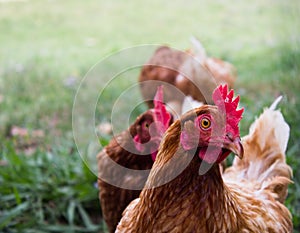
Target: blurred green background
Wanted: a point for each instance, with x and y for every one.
(46, 48)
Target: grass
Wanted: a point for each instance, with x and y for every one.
(48, 191)
(48, 46)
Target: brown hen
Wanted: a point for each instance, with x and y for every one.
(185, 191)
(189, 73)
(131, 151)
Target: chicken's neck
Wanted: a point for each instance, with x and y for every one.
(204, 197)
(175, 189)
(122, 151)
(187, 181)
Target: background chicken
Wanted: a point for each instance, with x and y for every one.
(189, 73)
(248, 199)
(136, 149)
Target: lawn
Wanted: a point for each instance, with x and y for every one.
(47, 47)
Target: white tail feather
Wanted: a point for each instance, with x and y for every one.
(273, 121)
(275, 103)
(200, 52)
(264, 163)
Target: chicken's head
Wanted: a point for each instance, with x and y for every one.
(150, 127)
(213, 132)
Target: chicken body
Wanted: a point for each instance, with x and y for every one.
(189, 73)
(113, 198)
(124, 164)
(205, 204)
(163, 69)
(241, 201)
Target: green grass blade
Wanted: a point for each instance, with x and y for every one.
(10, 214)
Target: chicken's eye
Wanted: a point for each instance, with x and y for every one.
(205, 123)
(146, 125)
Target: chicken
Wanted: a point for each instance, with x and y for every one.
(189, 73)
(136, 149)
(185, 191)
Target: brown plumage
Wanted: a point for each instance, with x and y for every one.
(121, 150)
(189, 73)
(241, 202)
(134, 150)
(163, 66)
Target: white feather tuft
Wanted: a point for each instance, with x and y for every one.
(275, 103)
(189, 103)
(272, 120)
(174, 107)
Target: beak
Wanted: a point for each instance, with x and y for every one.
(235, 146)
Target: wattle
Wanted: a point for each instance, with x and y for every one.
(213, 154)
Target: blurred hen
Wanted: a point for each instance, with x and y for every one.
(191, 73)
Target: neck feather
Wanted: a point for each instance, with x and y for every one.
(174, 181)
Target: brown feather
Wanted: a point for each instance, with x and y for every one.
(163, 66)
(200, 203)
(183, 75)
(113, 199)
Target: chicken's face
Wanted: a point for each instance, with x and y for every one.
(214, 133)
(150, 127)
(142, 125)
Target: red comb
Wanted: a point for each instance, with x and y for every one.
(224, 100)
(162, 119)
(161, 113)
